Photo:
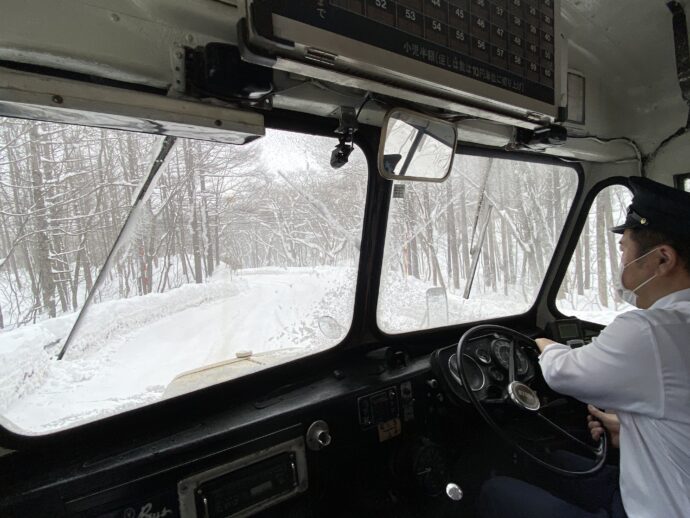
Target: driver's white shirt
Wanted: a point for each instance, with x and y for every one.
(639, 367)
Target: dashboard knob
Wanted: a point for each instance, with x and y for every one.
(318, 435)
(324, 439)
(454, 492)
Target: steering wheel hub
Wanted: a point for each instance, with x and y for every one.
(523, 396)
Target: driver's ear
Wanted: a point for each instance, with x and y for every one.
(668, 259)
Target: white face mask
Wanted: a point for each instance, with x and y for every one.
(630, 296)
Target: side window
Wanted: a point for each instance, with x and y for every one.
(587, 290)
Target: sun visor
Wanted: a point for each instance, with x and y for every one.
(33, 96)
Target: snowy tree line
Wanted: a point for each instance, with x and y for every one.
(513, 210)
(596, 261)
(497, 222)
(66, 191)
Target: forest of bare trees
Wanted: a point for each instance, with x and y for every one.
(511, 211)
(66, 191)
(596, 262)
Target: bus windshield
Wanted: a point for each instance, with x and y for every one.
(235, 259)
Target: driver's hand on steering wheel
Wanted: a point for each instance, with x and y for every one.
(599, 422)
(543, 343)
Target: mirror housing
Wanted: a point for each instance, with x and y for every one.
(416, 147)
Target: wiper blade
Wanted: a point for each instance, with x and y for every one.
(166, 146)
(477, 249)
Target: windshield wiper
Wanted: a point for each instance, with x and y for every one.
(165, 147)
(477, 249)
(413, 150)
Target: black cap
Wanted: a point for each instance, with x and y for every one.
(657, 207)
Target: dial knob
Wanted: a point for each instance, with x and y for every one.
(454, 492)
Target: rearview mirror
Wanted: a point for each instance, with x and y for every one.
(416, 147)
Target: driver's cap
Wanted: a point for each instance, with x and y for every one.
(657, 207)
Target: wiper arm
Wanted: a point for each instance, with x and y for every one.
(166, 145)
(477, 250)
(412, 152)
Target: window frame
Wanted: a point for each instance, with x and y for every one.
(163, 415)
(569, 251)
(469, 149)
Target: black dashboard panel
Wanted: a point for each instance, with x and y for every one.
(487, 367)
(572, 331)
(386, 414)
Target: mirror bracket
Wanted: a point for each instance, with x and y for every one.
(346, 129)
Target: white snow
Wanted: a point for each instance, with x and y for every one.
(402, 305)
(587, 307)
(128, 351)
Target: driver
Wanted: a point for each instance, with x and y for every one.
(638, 369)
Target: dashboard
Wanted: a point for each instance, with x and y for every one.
(486, 360)
(573, 332)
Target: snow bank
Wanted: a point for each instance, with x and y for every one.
(402, 305)
(128, 351)
(25, 357)
(106, 321)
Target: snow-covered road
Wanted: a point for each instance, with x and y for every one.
(271, 310)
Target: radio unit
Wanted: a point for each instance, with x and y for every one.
(247, 485)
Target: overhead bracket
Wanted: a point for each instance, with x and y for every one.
(35, 96)
(346, 129)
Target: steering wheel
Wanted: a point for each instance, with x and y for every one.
(517, 353)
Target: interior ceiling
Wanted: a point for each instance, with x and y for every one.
(629, 45)
(635, 35)
(625, 49)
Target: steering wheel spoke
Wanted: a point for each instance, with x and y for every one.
(511, 362)
(562, 431)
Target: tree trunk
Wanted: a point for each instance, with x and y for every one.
(453, 260)
(587, 259)
(579, 281)
(602, 284)
(42, 247)
(464, 240)
(610, 236)
(410, 220)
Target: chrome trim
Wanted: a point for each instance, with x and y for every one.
(516, 398)
(456, 376)
(187, 487)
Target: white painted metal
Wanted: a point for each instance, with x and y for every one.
(62, 100)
